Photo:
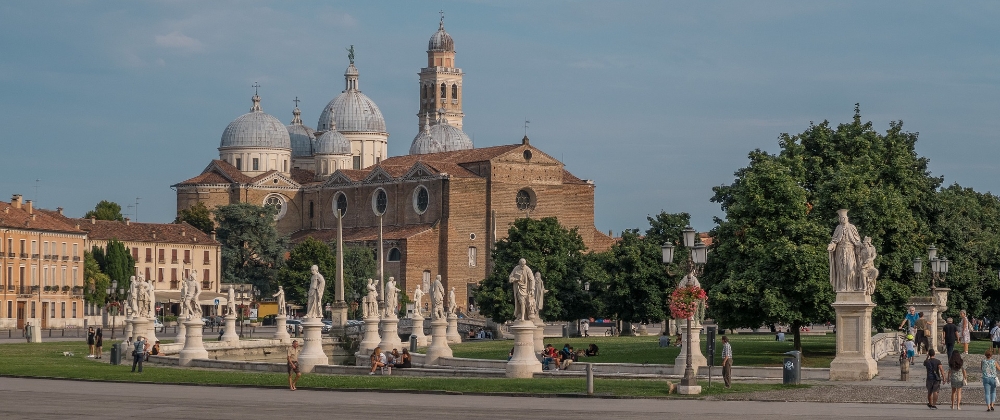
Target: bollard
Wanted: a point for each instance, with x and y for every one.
(590, 379)
(904, 370)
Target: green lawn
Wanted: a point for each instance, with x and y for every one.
(748, 350)
(47, 360)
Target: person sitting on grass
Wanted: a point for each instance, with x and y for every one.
(677, 340)
(591, 351)
(377, 360)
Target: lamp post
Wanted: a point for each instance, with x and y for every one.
(695, 266)
(114, 294)
(354, 304)
(939, 268)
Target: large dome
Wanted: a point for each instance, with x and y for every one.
(352, 111)
(256, 129)
(333, 143)
(441, 137)
(441, 41)
(301, 136)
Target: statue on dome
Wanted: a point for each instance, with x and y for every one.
(350, 54)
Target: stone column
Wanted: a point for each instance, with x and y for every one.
(230, 329)
(390, 332)
(439, 342)
(453, 336)
(418, 330)
(36, 331)
(129, 329)
(539, 337)
(181, 332)
(697, 358)
(370, 339)
(524, 362)
(282, 332)
(338, 315)
(312, 351)
(194, 348)
(854, 361)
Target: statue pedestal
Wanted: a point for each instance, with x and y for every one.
(194, 348)
(418, 330)
(129, 329)
(230, 329)
(338, 316)
(181, 333)
(370, 339)
(312, 351)
(697, 358)
(140, 326)
(932, 307)
(524, 362)
(453, 336)
(150, 331)
(282, 332)
(854, 361)
(390, 333)
(539, 337)
(439, 342)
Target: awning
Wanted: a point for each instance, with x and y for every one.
(174, 296)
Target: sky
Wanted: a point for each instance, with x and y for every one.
(655, 101)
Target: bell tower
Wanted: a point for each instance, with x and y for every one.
(440, 81)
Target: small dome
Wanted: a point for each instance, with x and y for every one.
(440, 137)
(302, 137)
(352, 111)
(441, 41)
(333, 143)
(256, 129)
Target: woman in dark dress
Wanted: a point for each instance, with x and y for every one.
(405, 360)
(90, 342)
(98, 343)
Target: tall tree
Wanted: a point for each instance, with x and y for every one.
(96, 282)
(359, 266)
(252, 249)
(99, 257)
(969, 232)
(296, 273)
(638, 286)
(120, 265)
(556, 252)
(106, 210)
(198, 216)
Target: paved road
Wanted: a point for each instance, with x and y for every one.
(56, 399)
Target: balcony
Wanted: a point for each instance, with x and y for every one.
(34, 256)
(187, 261)
(76, 259)
(65, 258)
(207, 262)
(11, 255)
(24, 255)
(206, 285)
(175, 285)
(161, 261)
(149, 260)
(173, 261)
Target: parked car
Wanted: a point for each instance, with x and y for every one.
(327, 325)
(293, 325)
(157, 324)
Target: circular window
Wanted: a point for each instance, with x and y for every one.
(275, 180)
(380, 202)
(340, 203)
(525, 199)
(527, 155)
(472, 236)
(277, 200)
(420, 199)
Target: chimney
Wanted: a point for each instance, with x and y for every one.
(183, 233)
(6, 210)
(154, 235)
(213, 235)
(59, 210)
(30, 209)
(93, 220)
(16, 201)
(127, 221)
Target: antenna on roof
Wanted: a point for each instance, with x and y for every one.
(137, 209)
(36, 192)
(526, 122)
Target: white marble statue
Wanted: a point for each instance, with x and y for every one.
(193, 296)
(142, 296)
(418, 295)
(868, 271)
(437, 299)
(184, 301)
(133, 296)
(452, 306)
(281, 301)
(391, 296)
(151, 292)
(371, 300)
(317, 285)
(843, 250)
(522, 280)
(231, 301)
(539, 291)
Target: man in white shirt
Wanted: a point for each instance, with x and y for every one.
(727, 362)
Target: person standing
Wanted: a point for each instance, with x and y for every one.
(138, 352)
(27, 331)
(921, 327)
(98, 343)
(989, 367)
(585, 326)
(956, 375)
(995, 336)
(727, 362)
(293, 365)
(909, 321)
(90, 343)
(966, 332)
(950, 335)
(935, 373)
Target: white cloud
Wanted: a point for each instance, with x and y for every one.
(179, 41)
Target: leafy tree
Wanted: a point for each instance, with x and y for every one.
(295, 275)
(359, 266)
(550, 249)
(252, 250)
(120, 266)
(198, 216)
(99, 257)
(96, 283)
(638, 286)
(106, 210)
(969, 228)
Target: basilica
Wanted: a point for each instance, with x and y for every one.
(441, 207)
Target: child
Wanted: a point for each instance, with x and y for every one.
(908, 345)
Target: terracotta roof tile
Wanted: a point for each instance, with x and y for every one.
(48, 220)
(303, 176)
(363, 233)
(569, 178)
(602, 241)
(174, 233)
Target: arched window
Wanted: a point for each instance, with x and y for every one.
(525, 199)
(423, 93)
(454, 91)
(472, 256)
(340, 203)
(444, 91)
(394, 255)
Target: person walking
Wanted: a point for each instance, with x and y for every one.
(922, 333)
(727, 362)
(966, 332)
(293, 365)
(90, 343)
(957, 378)
(995, 336)
(935, 373)
(98, 344)
(950, 335)
(138, 352)
(909, 321)
(989, 367)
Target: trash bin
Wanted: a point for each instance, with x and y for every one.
(115, 358)
(413, 343)
(792, 368)
(565, 331)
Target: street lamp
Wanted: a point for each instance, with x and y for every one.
(695, 265)
(116, 295)
(939, 267)
(354, 304)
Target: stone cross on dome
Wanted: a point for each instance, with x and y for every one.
(256, 99)
(296, 100)
(441, 25)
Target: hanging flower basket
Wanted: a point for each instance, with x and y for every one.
(684, 301)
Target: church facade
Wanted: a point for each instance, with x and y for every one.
(440, 208)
